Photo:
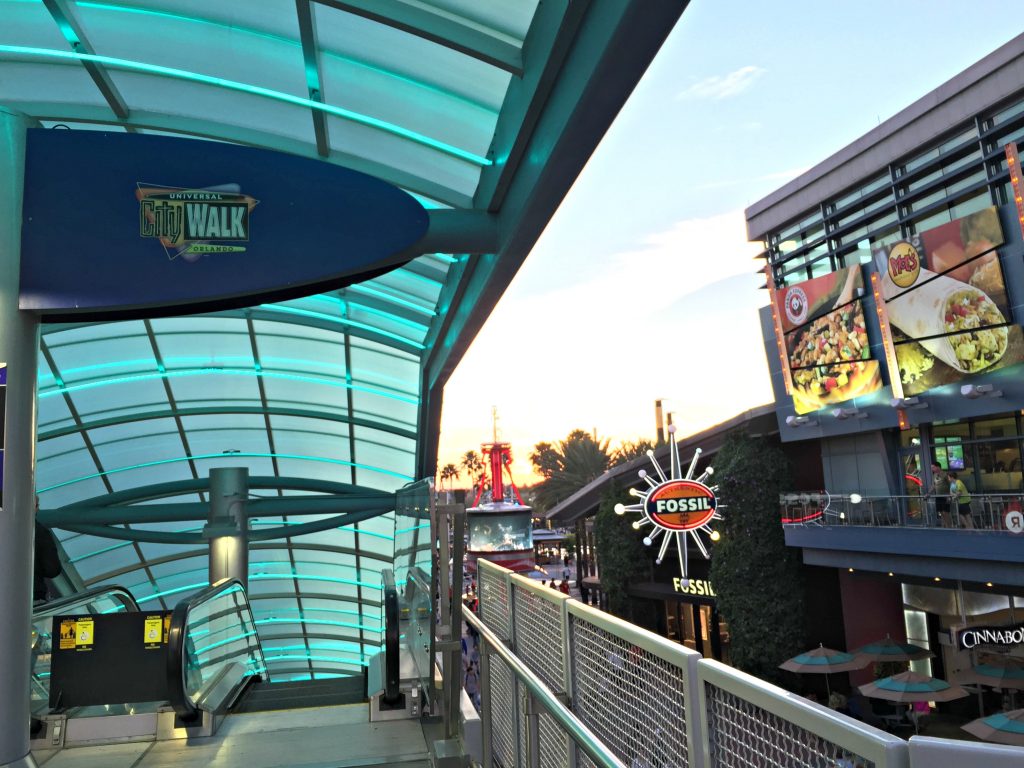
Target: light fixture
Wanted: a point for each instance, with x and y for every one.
(988, 583)
(937, 578)
(890, 573)
(908, 403)
(855, 498)
(715, 536)
(800, 421)
(849, 413)
(850, 570)
(974, 391)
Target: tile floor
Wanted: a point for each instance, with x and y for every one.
(323, 737)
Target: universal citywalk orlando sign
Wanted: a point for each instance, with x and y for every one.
(123, 225)
(1003, 637)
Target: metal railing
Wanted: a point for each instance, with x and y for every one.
(646, 700)
(984, 511)
(749, 722)
(539, 698)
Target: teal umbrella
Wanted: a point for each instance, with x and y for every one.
(824, 660)
(998, 674)
(890, 650)
(908, 687)
(1002, 727)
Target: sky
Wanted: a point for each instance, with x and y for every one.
(643, 285)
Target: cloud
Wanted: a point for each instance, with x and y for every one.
(719, 87)
(675, 316)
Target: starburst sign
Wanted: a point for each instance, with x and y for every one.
(676, 506)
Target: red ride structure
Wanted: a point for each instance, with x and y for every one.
(500, 530)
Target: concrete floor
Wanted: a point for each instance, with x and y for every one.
(323, 737)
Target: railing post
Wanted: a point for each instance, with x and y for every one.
(532, 732)
(486, 712)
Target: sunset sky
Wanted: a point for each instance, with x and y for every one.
(643, 286)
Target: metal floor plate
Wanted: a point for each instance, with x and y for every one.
(324, 737)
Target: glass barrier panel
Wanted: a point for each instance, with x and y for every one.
(220, 642)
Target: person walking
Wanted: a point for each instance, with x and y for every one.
(472, 685)
(960, 500)
(940, 490)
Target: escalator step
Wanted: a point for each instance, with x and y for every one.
(263, 697)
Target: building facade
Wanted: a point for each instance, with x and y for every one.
(893, 336)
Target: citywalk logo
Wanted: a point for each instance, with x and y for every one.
(190, 223)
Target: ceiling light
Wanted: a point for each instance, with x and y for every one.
(988, 583)
(890, 573)
(800, 421)
(974, 391)
(937, 578)
(849, 413)
(850, 570)
(906, 403)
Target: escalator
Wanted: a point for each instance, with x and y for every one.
(100, 600)
(212, 665)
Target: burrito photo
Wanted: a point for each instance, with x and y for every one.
(956, 322)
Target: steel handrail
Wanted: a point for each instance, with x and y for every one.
(176, 654)
(63, 604)
(573, 726)
(391, 635)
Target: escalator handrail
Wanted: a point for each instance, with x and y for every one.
(391, 635)
(176, 655)
(67, 604)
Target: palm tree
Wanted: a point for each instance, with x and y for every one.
(568, 466)
(450, 473)
(474, 466)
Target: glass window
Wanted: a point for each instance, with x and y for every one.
(1000, 427)
(1007, 114)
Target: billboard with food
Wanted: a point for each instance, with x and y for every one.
(826, 340)
(946, 302)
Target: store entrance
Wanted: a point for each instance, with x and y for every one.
(698, 627)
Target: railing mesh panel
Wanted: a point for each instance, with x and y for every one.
(554, 743)
(743, 735)
(537, 625)
(504, 729)
(494, 602)
(630, 698)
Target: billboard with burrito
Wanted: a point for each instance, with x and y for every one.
(947, 304)
(826, 340)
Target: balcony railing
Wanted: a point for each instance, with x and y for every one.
(991, 511)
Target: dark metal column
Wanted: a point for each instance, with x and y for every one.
(19, 349)
(228, 529)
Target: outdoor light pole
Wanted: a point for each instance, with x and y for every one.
(19, 349)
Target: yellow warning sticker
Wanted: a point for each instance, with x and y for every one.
(67, 634)
(154, 632)
(83, 634)
(167, 626)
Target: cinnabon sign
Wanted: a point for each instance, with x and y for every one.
(681, 505)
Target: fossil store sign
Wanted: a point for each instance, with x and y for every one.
(697, 587)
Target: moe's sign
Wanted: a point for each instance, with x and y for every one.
(969, 637)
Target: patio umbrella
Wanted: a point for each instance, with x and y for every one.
(909, 687)
(890, 650)
(998, 673)
(1002, 727)
(824, 660)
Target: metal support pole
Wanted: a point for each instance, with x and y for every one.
(486, 710)
(457, 516)
(228, 529)
(19, 349)
(532, 732)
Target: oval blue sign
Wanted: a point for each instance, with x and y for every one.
(117, 224)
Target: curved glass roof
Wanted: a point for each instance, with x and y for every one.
(325, 388)
(485, 110)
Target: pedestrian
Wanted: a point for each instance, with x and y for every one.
(47, 563)
(473, 685)
(960, 500)
(564, 587)
(940, 490)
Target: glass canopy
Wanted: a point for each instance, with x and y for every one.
(485, 110)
